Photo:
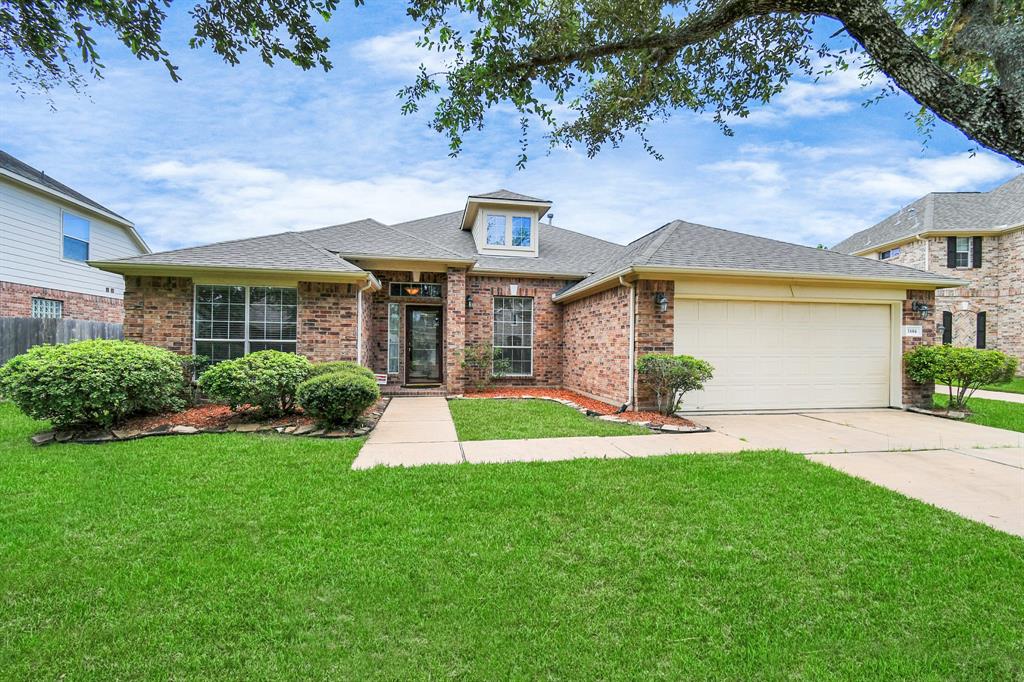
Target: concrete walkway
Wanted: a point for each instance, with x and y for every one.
(987, 395)
(411, 432)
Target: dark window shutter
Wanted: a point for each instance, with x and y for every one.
(977, 252)
(981, 330)
(947, 327)
(950, 252)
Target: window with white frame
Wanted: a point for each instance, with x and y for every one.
(47, 308)
(513, 333)
(522, 229)
(231, 321)
(75, 230)
(394, 329)
(891, 253)
(963, 252)
(495, 230)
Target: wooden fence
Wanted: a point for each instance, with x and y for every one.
(18, 334)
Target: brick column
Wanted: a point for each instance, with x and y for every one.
(655, 330)
(158, 312)
(327, 317)
(454, 329)
(916, 394)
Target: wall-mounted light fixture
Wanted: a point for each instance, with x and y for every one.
(661, 300)
(923, 310)
(469, 301)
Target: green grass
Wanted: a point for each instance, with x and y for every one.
(1015, 385)
(496, 419)
(998, 413)
(263, 557)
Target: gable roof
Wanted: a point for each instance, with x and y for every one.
(690, 247)
(284, 251)
(993, 211)
(369, 238)
(11, 166)
(506, 195)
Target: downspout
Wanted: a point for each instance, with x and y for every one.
(632, 341)
(359, 320)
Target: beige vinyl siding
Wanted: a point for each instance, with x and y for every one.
(31, 245)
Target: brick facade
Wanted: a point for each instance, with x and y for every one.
(996, 288)
(917, 394)
(327, 321)
(455, 323)
(655, 331)
(158, 312)
(547, 323)
(377, 349)
(595, 345)
(16, 301)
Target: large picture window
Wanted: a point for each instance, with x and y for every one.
(231, 321)
(513, 333)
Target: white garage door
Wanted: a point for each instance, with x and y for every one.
(772, 356)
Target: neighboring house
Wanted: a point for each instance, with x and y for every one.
(48, 232)
(785, 326)
(974, 236)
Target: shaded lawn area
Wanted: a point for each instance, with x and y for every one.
(267, 557)
(506, 419)
(1015, 385)
(997, 413)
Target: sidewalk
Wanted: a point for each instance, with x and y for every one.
(417, 431)
(987, 395)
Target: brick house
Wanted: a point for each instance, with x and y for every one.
(785, 326)
(48, 232)
(977, 237)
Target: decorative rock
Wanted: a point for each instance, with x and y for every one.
(43, 438)
(184, 429)
(289, 429)
(64, 436)
(126, 434)
(247, 428)
(266, 427)
(336, 434)
(610, 418)
(317, 433)
(304, 429)
(672, 427)
(95, 437)
(362, 430)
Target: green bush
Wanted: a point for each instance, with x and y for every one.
(337, 398)
(670, 376)
(93, 384)
(266, 380)
(964, 370)
(342, 366)
(483, 363)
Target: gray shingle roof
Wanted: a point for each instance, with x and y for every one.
(562, 252)
(282, 251)
(976, 211)
(372, 238)
(18, 167)
(680, 244)
(506, 195)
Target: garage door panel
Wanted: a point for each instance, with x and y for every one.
(773, 355)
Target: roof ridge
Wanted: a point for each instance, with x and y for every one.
(650, 248)
(421, 239)
(203, 246)
(322, 250)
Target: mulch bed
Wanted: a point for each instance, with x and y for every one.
(214, 418)
(592, 407)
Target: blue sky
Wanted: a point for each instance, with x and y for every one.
(233, 152)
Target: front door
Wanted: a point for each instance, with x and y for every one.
(423, 345)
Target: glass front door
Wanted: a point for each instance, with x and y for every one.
(423, 345)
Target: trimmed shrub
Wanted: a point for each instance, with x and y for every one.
(483, 364)
(93, 384)
(342, 366)
(337, 398)
(964, 370)
(670, 376)
(266, 379)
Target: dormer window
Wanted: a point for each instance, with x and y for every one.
(522, 227)
(496, 230)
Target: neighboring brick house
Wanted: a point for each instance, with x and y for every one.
(977, 237)
(48, 232)
(785, 326)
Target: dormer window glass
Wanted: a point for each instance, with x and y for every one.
(495, 230)
(521, 230)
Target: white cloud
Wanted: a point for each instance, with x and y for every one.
(397, 54)
(833, 93)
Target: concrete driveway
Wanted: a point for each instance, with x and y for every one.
(975, 471)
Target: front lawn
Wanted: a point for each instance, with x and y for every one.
(998, 413)
(264, 557)
(496, 419)
(1015, 385)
